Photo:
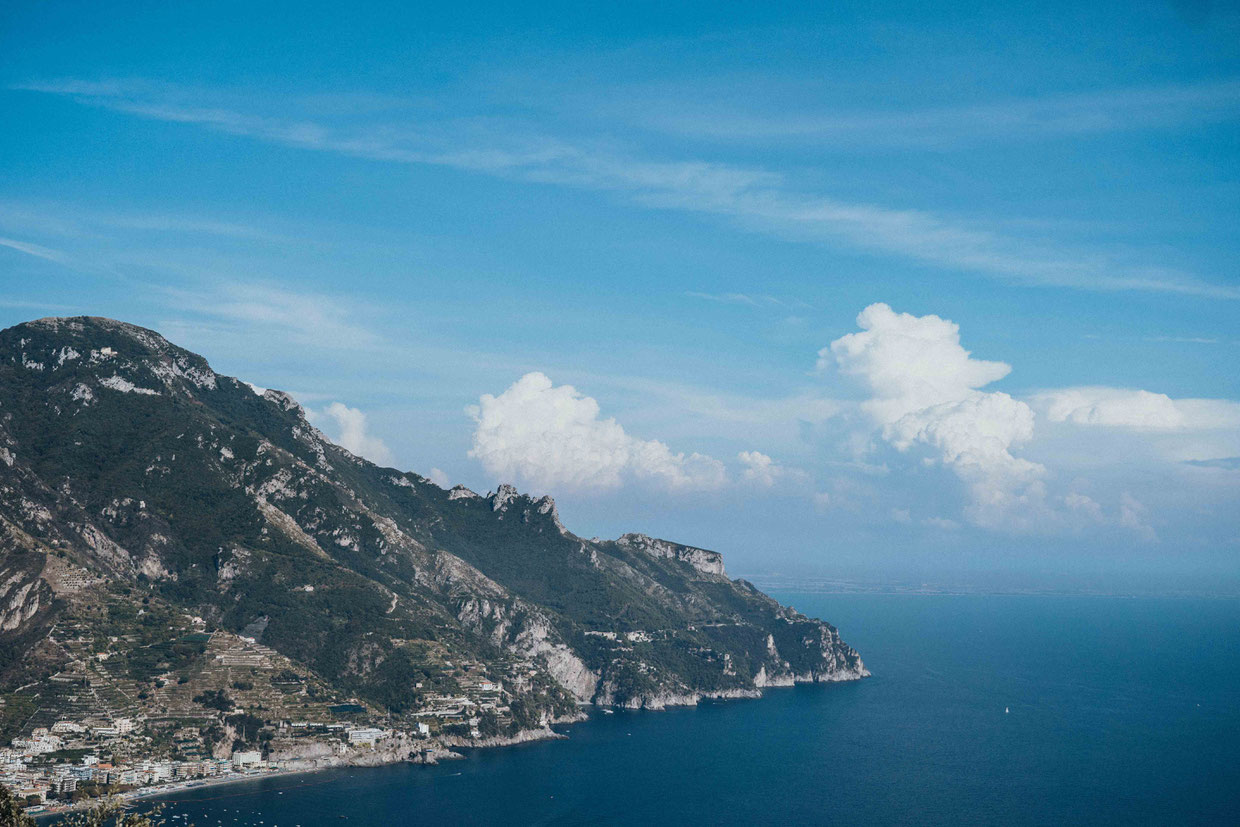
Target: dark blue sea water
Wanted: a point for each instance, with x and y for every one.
(1123, 711)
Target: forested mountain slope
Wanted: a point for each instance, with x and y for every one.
(136, 483)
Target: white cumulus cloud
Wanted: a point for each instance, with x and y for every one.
(353, 434)
(553, 437)
(763, 471)
(1084, 504)
(973, 434)
(909, 363)
(1135, 409)
(924, 390)
(759, 468)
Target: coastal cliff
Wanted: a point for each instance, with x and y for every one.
(196, 551)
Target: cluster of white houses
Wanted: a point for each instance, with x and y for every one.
(72, 759)
(37, 772)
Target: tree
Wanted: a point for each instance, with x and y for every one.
(215, 699)
(488, 724)
(11, 812)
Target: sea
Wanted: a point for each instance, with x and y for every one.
(982, 709)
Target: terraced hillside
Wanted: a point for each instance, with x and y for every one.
(161, 523)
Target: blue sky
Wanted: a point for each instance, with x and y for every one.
(427, 222)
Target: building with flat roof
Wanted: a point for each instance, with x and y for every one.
(366, 735)
(246, 759)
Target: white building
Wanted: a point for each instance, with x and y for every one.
(37, 745)
(246, 759)
(67, 727)
(366, 735)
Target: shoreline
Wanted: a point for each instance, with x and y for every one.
(441, 751)
(176, 787)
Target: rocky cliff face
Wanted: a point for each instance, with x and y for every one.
(706, 562)
(130, 470)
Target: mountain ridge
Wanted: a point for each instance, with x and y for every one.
(135, 480)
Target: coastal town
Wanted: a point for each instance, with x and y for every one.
(74, 762)
(55, 768)
(242, 714)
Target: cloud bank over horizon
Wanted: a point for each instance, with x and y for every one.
(926, 404)
(926, 399)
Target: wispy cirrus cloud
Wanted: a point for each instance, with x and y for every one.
(37, 305)
(1186, 340)
(748, 299)
(71, 221)
(157, 223)
(303, 316)
(757, 199)
(36, 250)
(1017, 119)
